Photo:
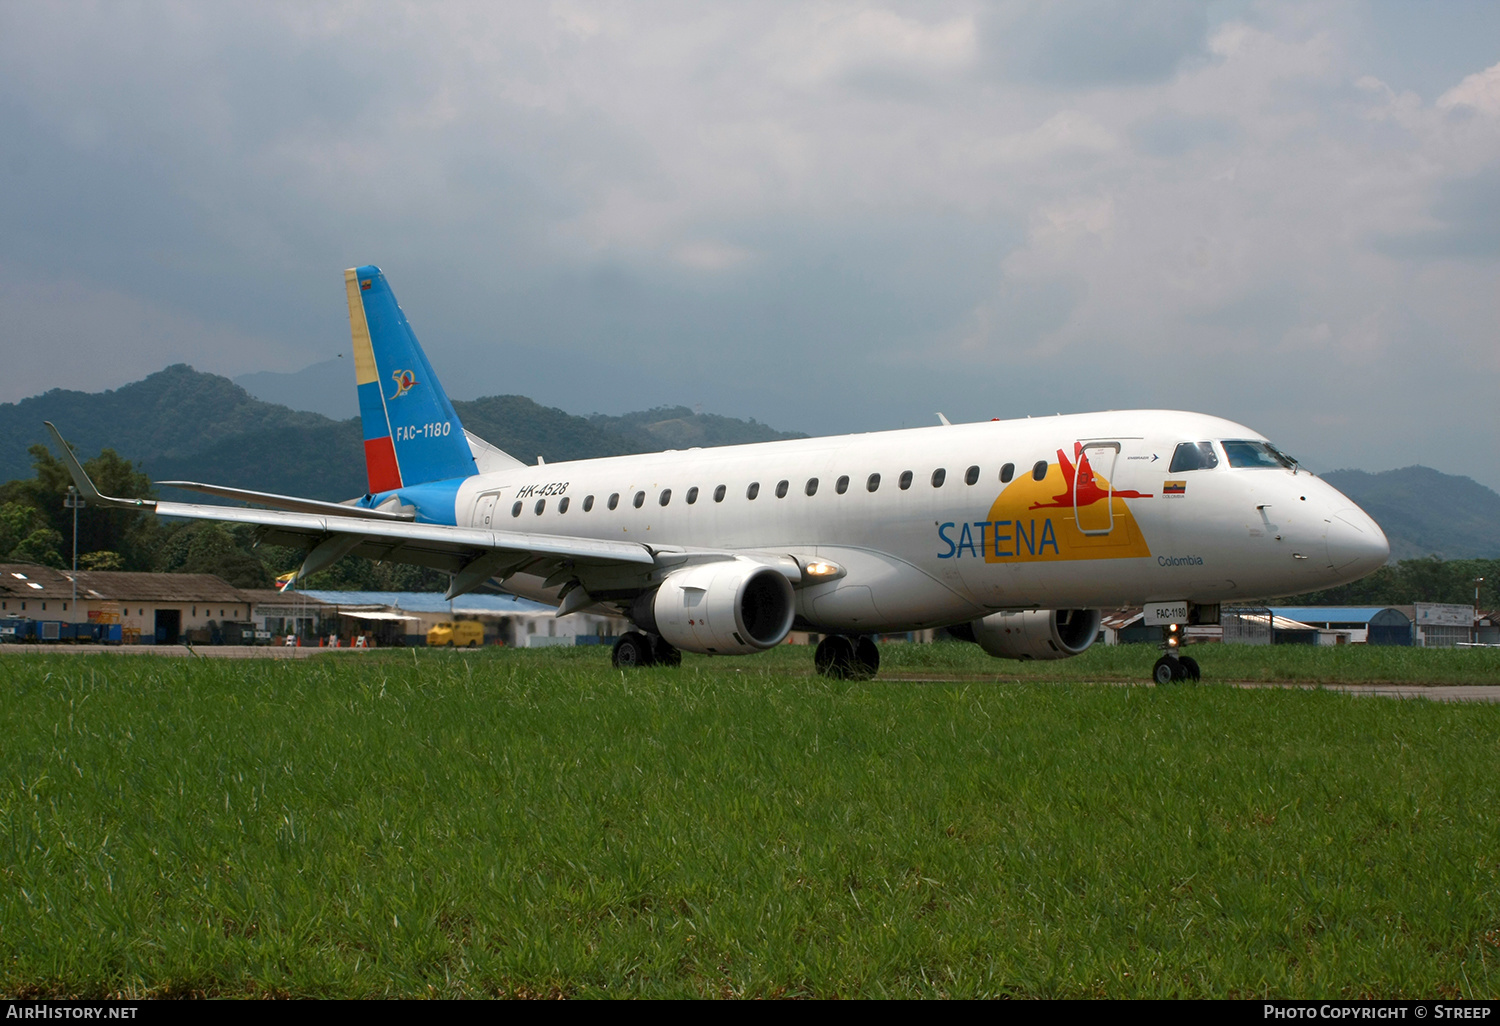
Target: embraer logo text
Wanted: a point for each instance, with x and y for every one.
(1007, 536)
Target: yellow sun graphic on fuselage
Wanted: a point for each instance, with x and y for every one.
(1069, 514)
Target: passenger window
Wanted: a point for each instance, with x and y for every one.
(541, 504)
(1007, 472)
(753, 490)
(873, 483)
(1039, 472)
(562, 504)
(812, 486)
(692, 495)
(842, 484)
(1194, 456)
(905, 481)
(588, 503)
(971, 476)
(938, 477)
(719, 493)
(614, 500)
(666, 496)
(515, 510)
(639, 500)
(781, 487)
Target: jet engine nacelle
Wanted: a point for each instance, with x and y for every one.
(1037, 633)
(731, 608)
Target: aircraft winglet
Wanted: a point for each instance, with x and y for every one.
(85, 486)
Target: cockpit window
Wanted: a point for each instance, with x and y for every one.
(1193, 456)
(1257, 454)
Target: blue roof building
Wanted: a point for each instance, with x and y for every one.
(1380, 625)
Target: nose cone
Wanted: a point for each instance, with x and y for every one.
(1356, 544)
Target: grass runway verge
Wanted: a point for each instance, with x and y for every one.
(536, 823)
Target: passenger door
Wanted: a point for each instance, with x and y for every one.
(1094, 487)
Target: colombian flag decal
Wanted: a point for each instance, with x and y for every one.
(364, 286)
(1174, 488)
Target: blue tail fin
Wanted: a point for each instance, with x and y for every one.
(412, 435)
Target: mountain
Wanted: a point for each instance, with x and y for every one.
(169, 415)
(677, 427)
(180, 424)
(1425, 512)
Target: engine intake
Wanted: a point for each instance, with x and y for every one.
(1037, 633)
(731, 608)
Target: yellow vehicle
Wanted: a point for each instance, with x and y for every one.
(463, 634)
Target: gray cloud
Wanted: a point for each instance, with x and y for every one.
(1467, 212)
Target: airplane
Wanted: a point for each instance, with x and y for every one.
(1012, 534)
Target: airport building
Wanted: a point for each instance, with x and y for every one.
(162, 609)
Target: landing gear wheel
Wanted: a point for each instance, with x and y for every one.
(1166, 671)
(866, 660)
(633, 650)
(1190, 667)
(664, 654)
(834, 657)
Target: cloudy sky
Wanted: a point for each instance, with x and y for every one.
(829, 217)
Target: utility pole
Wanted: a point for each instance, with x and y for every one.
(74, 502)
(1477, 582)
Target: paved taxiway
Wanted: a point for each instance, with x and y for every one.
(1432, 692)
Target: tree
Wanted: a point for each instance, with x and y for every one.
(205, 547)
(26, 537)
(131, 533)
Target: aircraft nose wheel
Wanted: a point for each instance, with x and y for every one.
(840, 658)
(1169, 670)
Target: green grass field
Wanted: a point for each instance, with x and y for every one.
(536, 824)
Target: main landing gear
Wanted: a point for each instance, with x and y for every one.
(1174, 667)
(847, 658)
(635, 649)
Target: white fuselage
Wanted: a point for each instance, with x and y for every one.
(928, 555)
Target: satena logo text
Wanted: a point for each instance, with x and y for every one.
(1010, 538)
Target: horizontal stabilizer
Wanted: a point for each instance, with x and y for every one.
(287, 502)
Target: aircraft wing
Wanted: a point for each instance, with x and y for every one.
(589, 569)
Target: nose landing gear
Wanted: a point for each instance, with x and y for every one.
(1174, 667)
(1170, 669)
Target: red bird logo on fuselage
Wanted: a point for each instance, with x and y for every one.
(1081, 482)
